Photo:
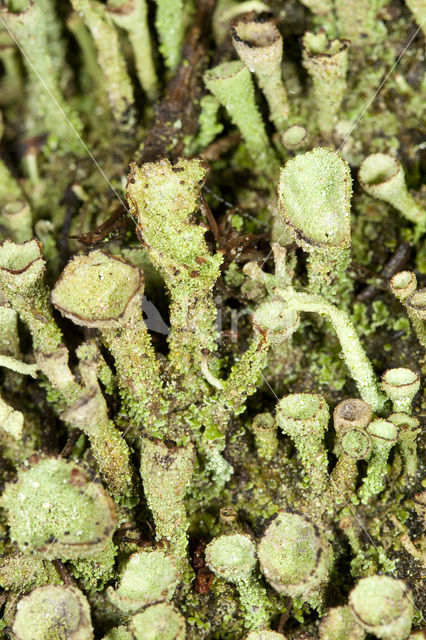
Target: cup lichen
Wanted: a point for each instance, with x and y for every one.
(175, 336)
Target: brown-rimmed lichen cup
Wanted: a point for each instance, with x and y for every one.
(53, 613)
(148, 576)
(314, 193)
(381, 175)
(294, 555)
(304, 417)
(340, 624)
(101, 291)
(401, 385)
(276, 321)
(57, 510)
(350, 413)
(22, 271)
(233, 558)
(158, 622)
(382, 606)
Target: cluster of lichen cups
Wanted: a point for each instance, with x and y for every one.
(57, 511)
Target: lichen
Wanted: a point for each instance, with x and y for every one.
(212, 319)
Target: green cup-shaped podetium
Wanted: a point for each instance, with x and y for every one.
(55, 509)
(22, 270)
(227, 10)
(383, 435)
(383, 607)
(401, 385)
(408, 426)
(416, 304)
(302, 414)
(119, 633)
(22, 266)
(350, 413)
(53, 613)
(340, 624)
(382, 176)
(166, 473)
(158, 622)
(356, 444)
(314, 194)
(132, 16)
(149, 576)
(18, 220)
(231, 557)
(403, 284)
(276, 320)
(304, 417)
(295, 137)
(105, 292)
(97, 290)
(408, 430)
(326, 61)
(294, 555)
(259, 44)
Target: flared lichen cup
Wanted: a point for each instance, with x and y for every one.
(148, 576)
(53, 613)
(403, 284)
(382, 606)
(314, 193)
(382, 176)
(231, 557)
(22, 266)
(98, 290)
(265, 634)
(55, 509)
(356, 444)
(416, 304)
(400, 385)
(300, 414)
(351, 413)
(294, 555)
(340, 624)
(158, 622)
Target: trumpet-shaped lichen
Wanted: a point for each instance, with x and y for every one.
(210, 390)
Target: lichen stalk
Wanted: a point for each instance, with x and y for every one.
(30, 26)
(232, 85)
(110, 59)
(384, 436)
(327, 64)
(170, 24)
(166, 474)
(132, 16)
(259, 44)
